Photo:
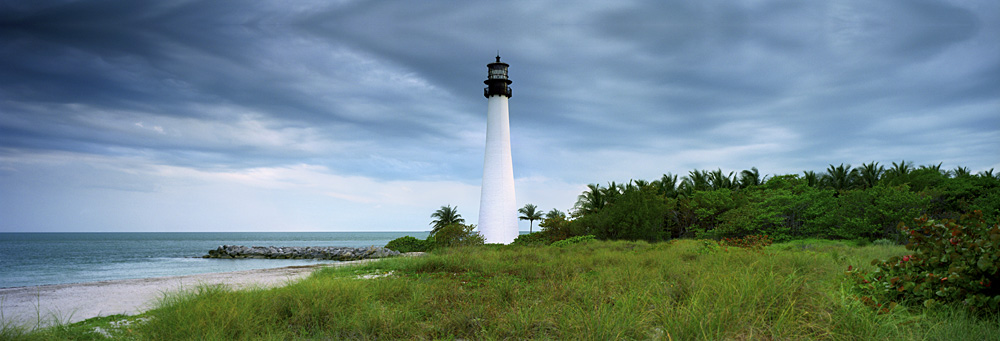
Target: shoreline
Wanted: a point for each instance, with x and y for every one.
(45, 305)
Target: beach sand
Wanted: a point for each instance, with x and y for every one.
(68, 303)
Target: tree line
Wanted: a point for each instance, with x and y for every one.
(867, 202)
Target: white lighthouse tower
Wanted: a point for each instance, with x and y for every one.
(497, 211)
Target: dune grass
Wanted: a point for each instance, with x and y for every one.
(680, 290)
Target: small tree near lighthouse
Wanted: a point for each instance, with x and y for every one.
(530, 213)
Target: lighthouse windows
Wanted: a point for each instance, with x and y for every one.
(498, 73)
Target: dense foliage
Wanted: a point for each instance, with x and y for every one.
(450, 235)
(532, 239)
(457, 235)
(410, 244)
(951, 262)
(864, 203)
(449, 229)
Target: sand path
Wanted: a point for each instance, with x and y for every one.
(68, 303)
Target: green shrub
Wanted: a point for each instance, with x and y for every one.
(751, 242)
(574, 240)
(555, 228)
(952, 262)
(783, 211)
(883, 242)
(532, 239)
(410, 244)
(637, 214)
(872, 213)
(708, 210)
(707, 247)
(457, 235)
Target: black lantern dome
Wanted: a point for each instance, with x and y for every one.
(497, 82)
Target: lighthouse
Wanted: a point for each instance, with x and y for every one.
(497, 211)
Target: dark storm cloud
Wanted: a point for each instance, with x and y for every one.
(84, 51)
(390, 88)
(861, 61)
(173, 60)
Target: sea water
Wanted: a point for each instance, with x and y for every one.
(29, 259)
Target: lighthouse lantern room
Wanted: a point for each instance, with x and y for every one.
(497, 82)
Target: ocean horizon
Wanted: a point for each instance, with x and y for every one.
(46, 258)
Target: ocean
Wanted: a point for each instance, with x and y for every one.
(30, 259)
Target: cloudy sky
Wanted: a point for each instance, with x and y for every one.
(123, 115)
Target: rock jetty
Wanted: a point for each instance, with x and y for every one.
(305, 252)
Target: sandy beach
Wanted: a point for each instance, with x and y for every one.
(68, 303)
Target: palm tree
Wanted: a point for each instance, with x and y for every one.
(902, 168)
(840, 177)
(555, 213)
(870, 173)
(591, 200)
(811, 179)
(613, 191)
(936, 167)
(697, 180)
(899, 172)
(988, 174)
(961, 172)
(667, 185)
(751, 177)
(529, 212)
(639, 184)
(446, 215)
(719, 180)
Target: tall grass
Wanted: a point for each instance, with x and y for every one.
(602, 290)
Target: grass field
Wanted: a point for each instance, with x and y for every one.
(681, 290)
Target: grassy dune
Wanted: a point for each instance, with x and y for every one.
(680, 290)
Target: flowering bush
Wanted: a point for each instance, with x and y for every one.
(751, 242)
(952, 261)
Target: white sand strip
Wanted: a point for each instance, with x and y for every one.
(68, 303)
